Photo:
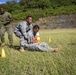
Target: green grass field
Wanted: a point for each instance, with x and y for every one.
(42, 63)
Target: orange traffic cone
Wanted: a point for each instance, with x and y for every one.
(3, 55)
(38, 38)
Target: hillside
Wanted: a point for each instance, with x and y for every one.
(50, 14)
(54, 22)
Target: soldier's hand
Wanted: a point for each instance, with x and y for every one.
(33, 40)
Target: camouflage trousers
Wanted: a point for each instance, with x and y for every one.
(9, 30)
(39, 47)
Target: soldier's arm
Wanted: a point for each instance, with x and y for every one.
(10, 18)
(23, 30)
(31, 38)
(1, 22)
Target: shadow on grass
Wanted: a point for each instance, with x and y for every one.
(72, 44)
(15, 47)
(18, 47)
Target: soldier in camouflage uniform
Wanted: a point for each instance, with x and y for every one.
(21, 30)
(32, 43)
(5, 20)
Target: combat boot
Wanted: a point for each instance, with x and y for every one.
(21, 49)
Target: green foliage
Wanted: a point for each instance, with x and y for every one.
(43, 4)
(32, 4)
(38, 13)
(39, 8)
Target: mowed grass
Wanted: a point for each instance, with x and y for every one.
(42, 63)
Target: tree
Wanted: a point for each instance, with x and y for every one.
(11, 2)
(23, 2)
(43, 4)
